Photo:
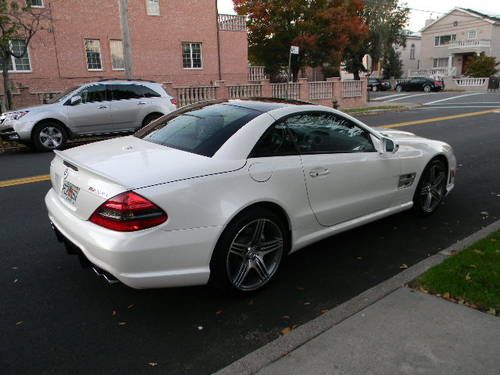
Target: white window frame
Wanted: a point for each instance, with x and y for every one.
(474, 32)
(453, 38)
(37, 6)
(153, 7)
(191, 55)
(111, 54)
(13, 61)
(86, 57)
(435, 62)
(412, 51)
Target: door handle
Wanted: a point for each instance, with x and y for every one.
(102, 107)
(316, 172)
(142, 103)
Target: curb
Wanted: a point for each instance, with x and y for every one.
(273, 351)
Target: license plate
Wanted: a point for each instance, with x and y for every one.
(70, 192)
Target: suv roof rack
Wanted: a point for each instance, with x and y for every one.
(126, 79)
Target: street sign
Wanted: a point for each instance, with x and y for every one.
(294, 50)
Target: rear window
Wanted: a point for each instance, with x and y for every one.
(200, 131)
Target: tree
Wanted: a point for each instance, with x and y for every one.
(391, 64)
(482, 66)
(321, 28)
(385, 21)
(17, 23)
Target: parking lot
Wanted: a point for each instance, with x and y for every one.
(57, 317)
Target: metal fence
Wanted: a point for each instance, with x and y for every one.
(320, 90)
(351, 89)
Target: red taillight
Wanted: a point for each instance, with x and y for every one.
(128, 212)
(173, 101)
(437, 83)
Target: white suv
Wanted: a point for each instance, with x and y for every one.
(98, 108)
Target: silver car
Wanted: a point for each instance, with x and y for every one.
(98, 108)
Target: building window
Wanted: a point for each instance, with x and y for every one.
(440, 63)
(153, 7)
(471, 35)
(444, 40)
(19, 64)
(191, 55)
(93, 51)
(35, 3)
(412, 52)
(116, 48)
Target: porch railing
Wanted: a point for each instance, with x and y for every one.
(190, 95)
(286, 90)
(473, 43)
(245, 91)
(470, 82)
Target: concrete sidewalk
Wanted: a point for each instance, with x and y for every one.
(405, 332)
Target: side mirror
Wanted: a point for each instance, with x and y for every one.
(77, 99)
(389, 146)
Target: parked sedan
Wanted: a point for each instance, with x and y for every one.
(375, 84)
(223, 191)
(420, 84)
(98, 108)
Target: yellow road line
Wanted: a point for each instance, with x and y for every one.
(437, 119)
(23, 181)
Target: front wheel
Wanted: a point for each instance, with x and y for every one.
(49, 136)
(427, 89)
(399, 88)
(249, 252)
(431, 188)
(374, 88)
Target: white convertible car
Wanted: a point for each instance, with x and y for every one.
(223, 191)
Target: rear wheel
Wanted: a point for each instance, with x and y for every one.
(431, 188)
(150, 118)
(374, 88)
(399, 88)
(48, 136)
(249, 252)
(427, 88)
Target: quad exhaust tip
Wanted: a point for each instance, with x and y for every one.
(110, 279)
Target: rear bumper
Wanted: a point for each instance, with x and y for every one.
(152, 258)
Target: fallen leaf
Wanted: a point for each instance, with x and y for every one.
(472, 266)
(323, 311)
(122, 324)
(19, 322)
(130, 306)
(423, 290)
(286, 330)
(403, 266)
(468, 277)
(461, 301)
(446, 295)
(153, 364)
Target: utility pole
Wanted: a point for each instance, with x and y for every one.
(127, 45)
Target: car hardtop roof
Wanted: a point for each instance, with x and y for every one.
(266, 104)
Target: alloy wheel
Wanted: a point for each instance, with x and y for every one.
(433, 187)
(254, 254)
(50, 137)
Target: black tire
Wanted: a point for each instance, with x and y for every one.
(226, 264)
(427, 88)
(374, 88)
(399, 88)
(150, 118)
(430, 193)
(48, 136)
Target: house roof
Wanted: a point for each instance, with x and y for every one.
(471, 12)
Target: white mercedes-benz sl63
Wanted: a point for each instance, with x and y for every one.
(222, 191)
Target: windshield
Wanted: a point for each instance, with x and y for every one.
(59, 97)
(201, 131)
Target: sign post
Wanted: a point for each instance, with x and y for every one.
(294, 50)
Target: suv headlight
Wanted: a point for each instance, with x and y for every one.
(14, 115)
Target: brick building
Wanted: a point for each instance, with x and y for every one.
(185, 42)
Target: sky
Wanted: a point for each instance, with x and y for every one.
(421, 9)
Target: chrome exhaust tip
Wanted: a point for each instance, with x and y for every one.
(110, 279)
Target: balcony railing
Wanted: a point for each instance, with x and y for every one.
(231, 22)
(475, 43)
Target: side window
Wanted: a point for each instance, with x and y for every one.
(126, 92)
(276, 141)
(149, 93)
(92, 94)
(325, 133)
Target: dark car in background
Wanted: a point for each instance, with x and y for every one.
(420, 84)
(375, 84)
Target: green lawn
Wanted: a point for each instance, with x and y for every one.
(471, 277)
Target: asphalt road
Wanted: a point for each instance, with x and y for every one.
(58, 318)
